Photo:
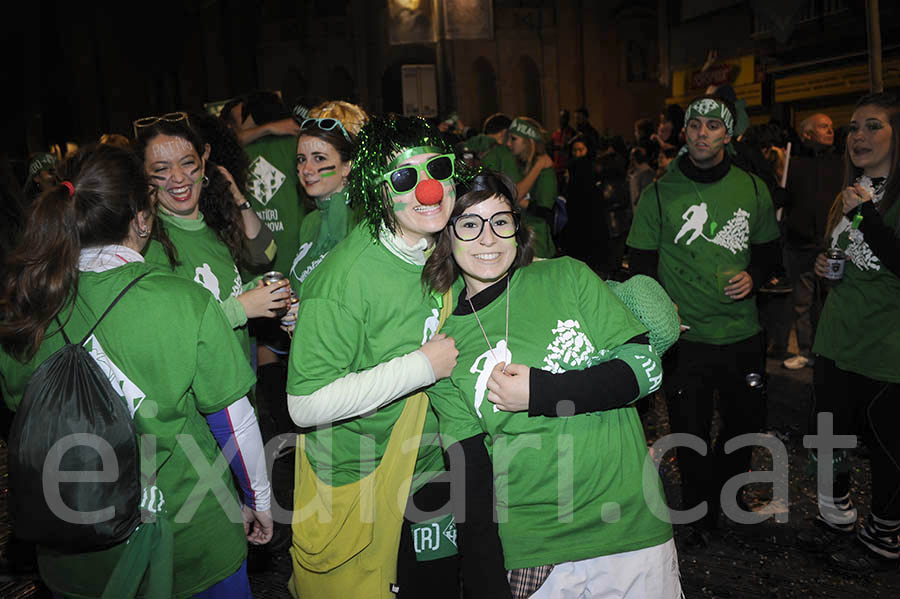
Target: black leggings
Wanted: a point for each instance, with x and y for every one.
(870, 408)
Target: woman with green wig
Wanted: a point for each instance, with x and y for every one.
(371, 509)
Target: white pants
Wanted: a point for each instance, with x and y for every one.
(650, 573)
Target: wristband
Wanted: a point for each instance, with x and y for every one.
(245, 205)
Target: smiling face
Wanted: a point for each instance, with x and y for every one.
(706, 139)
(416, 220)
(175, 168)
(486, 259)
(319, 167)
(869, 140)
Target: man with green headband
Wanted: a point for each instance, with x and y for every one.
(365, 345)
(707, 231)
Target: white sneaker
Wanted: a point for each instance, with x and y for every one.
(797, 362)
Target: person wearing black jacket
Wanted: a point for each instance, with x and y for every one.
(814, 178)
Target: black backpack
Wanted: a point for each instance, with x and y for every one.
(71, 425)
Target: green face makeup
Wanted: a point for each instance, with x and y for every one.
(328, 174)
(400, 206)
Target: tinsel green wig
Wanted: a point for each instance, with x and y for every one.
(379, 141)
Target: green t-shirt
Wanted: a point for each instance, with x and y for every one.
(273, 190)
(203, 259)
(322, 229)
(362, 306)
(704, 228)
(543, 194)
(567, 488)
(861, 317)
(171, 355)
(500, 158)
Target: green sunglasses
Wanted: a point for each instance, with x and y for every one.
(405, 178)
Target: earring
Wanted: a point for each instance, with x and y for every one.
(205, 181)
(143, 232)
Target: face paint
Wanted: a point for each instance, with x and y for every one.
(317, 164)
(399, 206)
(308, 145)
(328, 171)
(171, 149)
(177, 169)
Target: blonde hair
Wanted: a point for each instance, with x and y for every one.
(535, 148)
(351, 116)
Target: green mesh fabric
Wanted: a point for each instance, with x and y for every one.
(651, 304)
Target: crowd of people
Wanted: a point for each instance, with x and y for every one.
(449, 331)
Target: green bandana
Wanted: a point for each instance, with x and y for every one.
(41, 162)
(711, 109)
(523, 129)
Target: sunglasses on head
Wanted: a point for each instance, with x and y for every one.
(149, 121)
(403, 179)
(325, 125)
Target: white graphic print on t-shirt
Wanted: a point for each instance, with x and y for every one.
(488, 360)
(734, 236)
(124, 386)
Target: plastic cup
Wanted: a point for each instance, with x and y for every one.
(724, 273)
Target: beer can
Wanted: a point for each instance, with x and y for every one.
(835, 258)
(270, 278)
(754, 380)
(273, 276)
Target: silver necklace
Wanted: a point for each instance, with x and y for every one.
(480, 326)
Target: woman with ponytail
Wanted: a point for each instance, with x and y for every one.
(180, 371)
(856, 371)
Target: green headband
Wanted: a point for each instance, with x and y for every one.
(409, 153)
(41, 162)
(523, 129)
(711, 109)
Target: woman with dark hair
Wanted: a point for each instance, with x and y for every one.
(536, 342)
(527, 140)
(211, 226)
(168, 347)
(668, 132)
(366, 344)
(856, 374)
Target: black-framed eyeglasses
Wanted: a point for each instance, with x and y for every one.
(325, 125)
(403, 179)
(149, 121)
(468, 227)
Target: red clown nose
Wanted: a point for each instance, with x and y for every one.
(429, 192)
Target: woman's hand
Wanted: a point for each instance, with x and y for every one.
(442, 353)
(821, 265)
(263, 300)
(543, 161)
(853, 196)
(509, 387)
(258, 526)
(740, 286)
(236, 194)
